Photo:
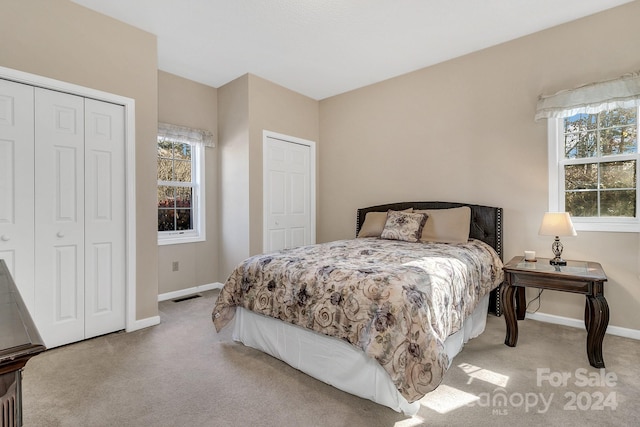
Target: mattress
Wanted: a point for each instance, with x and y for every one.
(337, 362)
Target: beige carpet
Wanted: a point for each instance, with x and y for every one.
(182, 373)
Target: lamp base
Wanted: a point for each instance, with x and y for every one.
(556, 248)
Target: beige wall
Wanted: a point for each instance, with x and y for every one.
(233, 140)
(187, 103)
(277, 109)
(61, 40)
(463, 130)
(246, 107)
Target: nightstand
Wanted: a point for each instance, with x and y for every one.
(19, 342)
(580, 277)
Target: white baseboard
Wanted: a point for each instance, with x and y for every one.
(143, 323)
(189, 291)
(579, 323)
(155, 320)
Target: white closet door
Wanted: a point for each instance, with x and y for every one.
(16, 184)
(104, 218)
(59, 216)
(287, 195)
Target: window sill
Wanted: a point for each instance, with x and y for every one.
(162, 241)
(632, 227)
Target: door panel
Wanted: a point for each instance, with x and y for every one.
(59, 217)
(277, 239)
(298, 194)
(66, 283)
(65, 167)
(276, 207)
(16, 185)
(104, 218)
(298, 236)
(278, 190)
(102, 262)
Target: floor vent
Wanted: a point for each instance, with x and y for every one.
(187, 298)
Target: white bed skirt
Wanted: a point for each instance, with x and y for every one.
(336, 362)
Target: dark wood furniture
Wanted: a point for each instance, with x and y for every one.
(486, 225)
(19, 341)
(581, 277)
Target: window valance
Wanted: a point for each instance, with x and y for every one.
(622, 92)
(186, 135)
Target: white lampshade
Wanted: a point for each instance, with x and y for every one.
(557, 224)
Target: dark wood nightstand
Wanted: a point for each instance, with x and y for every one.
(581, 277)
(19, 341)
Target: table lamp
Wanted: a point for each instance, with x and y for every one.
(557, 224)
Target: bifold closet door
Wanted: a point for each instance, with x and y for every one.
(79, 217)
(104, 218)
(59, 216)
(62, 209)
(16, 185)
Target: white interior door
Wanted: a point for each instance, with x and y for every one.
(16, 185)
(104, 218)
(59, 216)
(289, 196)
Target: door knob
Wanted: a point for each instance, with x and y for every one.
(4, 238)
(60, 234)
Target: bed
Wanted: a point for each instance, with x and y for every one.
(380, 316)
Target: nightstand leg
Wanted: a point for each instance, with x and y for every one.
(587, 314)
(521, 303)
(598, 318)
(508, 298)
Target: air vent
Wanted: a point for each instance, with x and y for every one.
(187, 298)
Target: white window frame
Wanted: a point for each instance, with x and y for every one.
(198, 211)
(555, 136)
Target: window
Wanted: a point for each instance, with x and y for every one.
(593, 154)
(181, 207)
(597, 168)
(600, 163)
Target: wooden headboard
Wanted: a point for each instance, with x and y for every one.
(486, 225)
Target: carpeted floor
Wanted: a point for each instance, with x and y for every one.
(182, 373)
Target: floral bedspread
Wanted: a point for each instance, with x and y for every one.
(396, 301)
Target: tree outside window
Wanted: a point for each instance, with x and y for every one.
(175, 186)
(600, 163)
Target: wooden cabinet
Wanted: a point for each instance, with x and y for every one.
(19, 341)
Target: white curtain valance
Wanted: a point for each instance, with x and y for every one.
(186, 135)
(623, 92)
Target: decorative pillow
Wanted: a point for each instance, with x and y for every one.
(374, 223)
(406, 226)
(447, 225)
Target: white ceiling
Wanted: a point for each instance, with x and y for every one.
(321, 48)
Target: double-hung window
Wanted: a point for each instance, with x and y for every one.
(594, 161)
(181, 184)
